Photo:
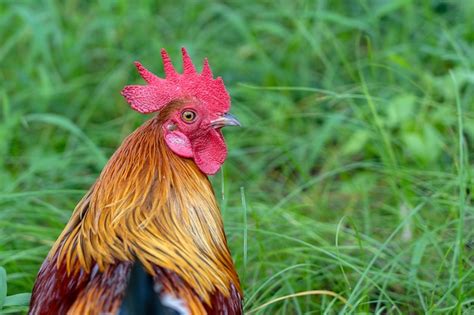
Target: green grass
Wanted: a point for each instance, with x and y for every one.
(352, 172)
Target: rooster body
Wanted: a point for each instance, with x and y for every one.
(152, 205)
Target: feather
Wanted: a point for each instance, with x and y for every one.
(152, 207)
(141, 297)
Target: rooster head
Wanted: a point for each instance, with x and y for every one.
(192, 106)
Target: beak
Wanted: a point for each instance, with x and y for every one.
(225, 120)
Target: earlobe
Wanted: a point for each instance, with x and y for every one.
(178, 143)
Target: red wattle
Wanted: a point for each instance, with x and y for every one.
(210, 152)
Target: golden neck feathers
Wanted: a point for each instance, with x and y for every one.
(153, 206)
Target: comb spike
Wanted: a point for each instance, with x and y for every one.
(188, 67)
(159, 92)
(170, 72)
(206, 70)
(146, 74)
(220, 82)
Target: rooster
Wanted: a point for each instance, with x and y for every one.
(149, 231)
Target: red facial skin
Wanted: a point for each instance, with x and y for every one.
(208, 98)
(196, 138)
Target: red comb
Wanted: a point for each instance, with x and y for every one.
(159, 92)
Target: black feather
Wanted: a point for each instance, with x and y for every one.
(140, 296)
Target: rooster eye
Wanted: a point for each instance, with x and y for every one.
(188, 116)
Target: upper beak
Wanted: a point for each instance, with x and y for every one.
(225, 120)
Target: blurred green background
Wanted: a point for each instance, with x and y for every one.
(352, 172)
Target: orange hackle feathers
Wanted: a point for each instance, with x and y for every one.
(153, 206)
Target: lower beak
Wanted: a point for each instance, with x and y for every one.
(225, 120)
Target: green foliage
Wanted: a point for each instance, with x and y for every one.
(13, 303)
(3, 286)
(354, 157)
